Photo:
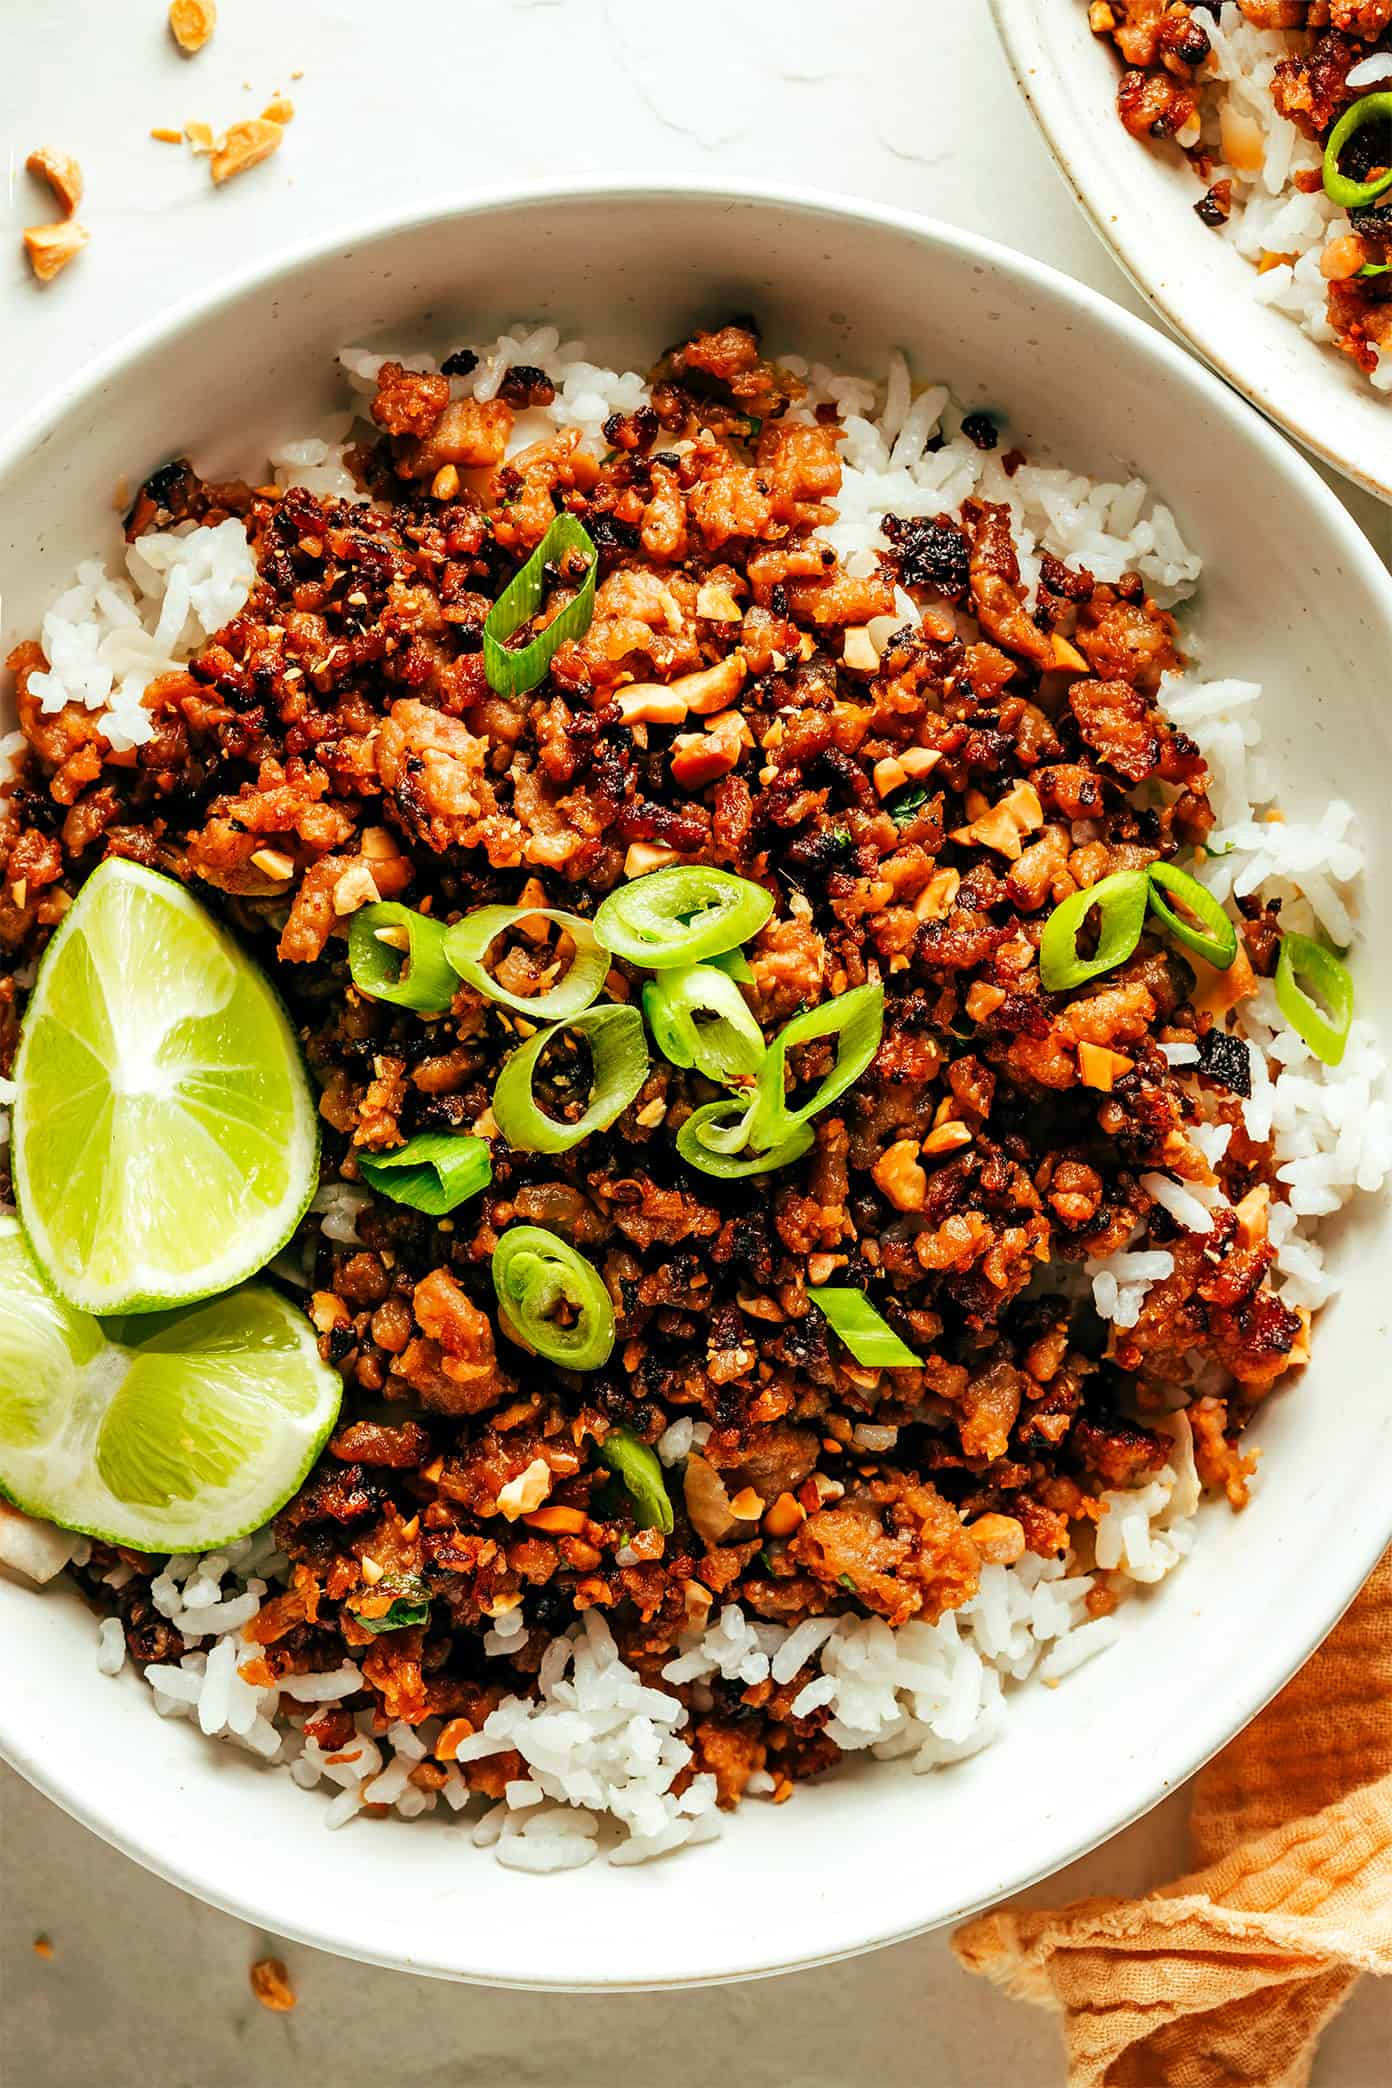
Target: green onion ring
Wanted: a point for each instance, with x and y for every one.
(1121, 901)
(1216, 940)
(433, 1172)
(736, 966)
(534, 1271)
(641, 1472)
(417, 977)
(1301, 957)
(866, 1333)
(467, 945)
(681, 915)
(856, 1020)
(704, 1144)
(1354, 194)
(513, 673)
(728, 1047)
(620, 1061)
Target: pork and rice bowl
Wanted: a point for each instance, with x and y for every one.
(787, 1147)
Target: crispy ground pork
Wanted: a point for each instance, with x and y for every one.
(916, 793)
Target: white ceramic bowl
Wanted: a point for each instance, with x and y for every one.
(1293, 594)
(1141, 200)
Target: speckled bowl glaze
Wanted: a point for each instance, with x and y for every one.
(1142, 203)
(1292, 594)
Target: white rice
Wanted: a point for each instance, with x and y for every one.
(1270, 215)
(602, 1749)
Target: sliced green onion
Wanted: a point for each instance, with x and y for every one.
(619, 1056)
(681, 915)
(433, 1172)
(551, 1300)
(867, 1335)
(513, 673)
(856, 1020)
(1324, 1028)
(710, 1142)
(1121, 904)
(415, 977)
(641, 1472)
(699, 1018)
(1372, 268)
(1338, 187)
(467, 945)
(1211, 934)
(736, 966)
(399, 1617)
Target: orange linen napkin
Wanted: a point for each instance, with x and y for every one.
(1229, 1975)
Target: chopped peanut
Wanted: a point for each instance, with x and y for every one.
(372, 1573)
(357, 887)
(999, 1539)
(62, 173)
(563, 1522)
(279, 109)
(273, 863)
(51, 247)
(918, 762)
(1100, 1068)
(713, 688)
(934, 902)
(898, 1174)
(200, 136)
(699, 758)
(1066, 655)
(445, 483)
(784, 1516)
(948, 1138)
(378, 843)
(859, 650)
(889, 774)
(191, 23)
(527, 1492)
(1100, 18)
(270, 1982)
(1000, 826)
(822, 1267)
(327, 1311)
(643, 856)
(649, 703)
(244, 145)
(747, 1505)
(163, 135)
(396, 937)
(1217, 991)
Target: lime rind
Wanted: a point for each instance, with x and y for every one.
(165, 1137)
(171, 1433)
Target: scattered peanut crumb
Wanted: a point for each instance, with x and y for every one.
(200, 136)
(43, 1946)
(279, 109)
(270, 1982)
(51, 247)
(164, 136)
(191, 23)
(244, 145)
(298, 73)
(62, 173)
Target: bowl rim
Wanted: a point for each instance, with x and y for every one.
(1210, 1726)
(1022, 26)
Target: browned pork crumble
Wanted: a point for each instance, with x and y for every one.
(1164, 46)
(915, 811)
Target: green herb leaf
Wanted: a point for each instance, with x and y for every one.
(905, 806)
(433, 1172)
(513, 673)
(402, 1614)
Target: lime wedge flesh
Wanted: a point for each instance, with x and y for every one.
(170, 1431)
(165, 1134)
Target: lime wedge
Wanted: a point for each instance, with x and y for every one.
(170, 1431)
(165, 1135)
